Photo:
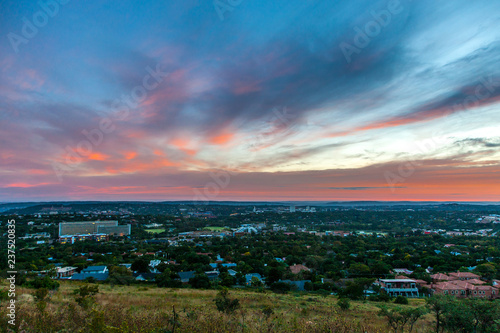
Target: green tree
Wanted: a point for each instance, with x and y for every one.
(487, 271)
(485, 315)
(256, 282)
(359, 269)
(438, 305)
(168, 279)
(119, 275)
(224, 303)
(457, 317)
(280, 287)
(226, 279)
(400, 318)
(275, 274)
(140, 265)
(44, 282)
(356, 289)
(200, 281)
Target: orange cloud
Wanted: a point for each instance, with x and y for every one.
(98, 157)
(183, 145)
(25, 185)
(130, 155)
(141, 166)
(158, 152)
(221, 139)
(38, 172)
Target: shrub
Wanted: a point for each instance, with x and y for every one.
(168, 279)
(40, 294)
(119, 275)
(90, 279)
(44, 282)
(380, 298)
(267, 311)
(344, 304)
(323, 292)
(256, 282)
(401, 300)
(281, 287)
(200, 281)
(85, 295)
(224, 303)
(4, 295)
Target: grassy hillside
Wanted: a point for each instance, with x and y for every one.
(150, 309)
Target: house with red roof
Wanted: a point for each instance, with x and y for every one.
(296, 269)
(464, 276)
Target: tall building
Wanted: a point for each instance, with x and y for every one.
(69, 232)
(292, 209)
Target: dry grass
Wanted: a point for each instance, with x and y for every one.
(149, 309)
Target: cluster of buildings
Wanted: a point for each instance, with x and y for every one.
(458, 284)
(459, 232)
(98, 273)
(492, 218)
(308, 209)
(101, 273)
(462, 285)
(99, 231)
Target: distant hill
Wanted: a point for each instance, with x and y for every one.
(170, 207)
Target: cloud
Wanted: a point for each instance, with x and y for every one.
(363, 188)
(481, 142)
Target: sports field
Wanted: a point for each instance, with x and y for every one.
(215, 228)
(155, 231)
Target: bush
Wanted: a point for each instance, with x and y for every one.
(200, 281)
(85, 295)
(44, 282)
(281, 287)
(40, 294)
(168, 279)
(4, 295)
(267, 311)
(380, 298)
(401, 300)
(256, 282)
(323, 292)
(224, 303)
(344, 304)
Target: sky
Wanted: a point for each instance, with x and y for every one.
(249, 100)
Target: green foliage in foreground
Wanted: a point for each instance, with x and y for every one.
(85, 295)
(465, 315)
(226, 304)
(344, 303)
